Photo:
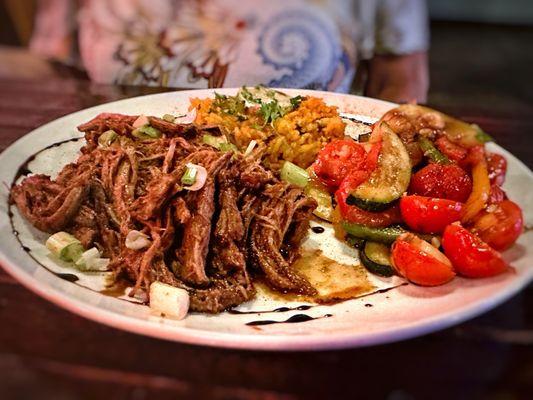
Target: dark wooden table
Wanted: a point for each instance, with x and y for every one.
(48, 353)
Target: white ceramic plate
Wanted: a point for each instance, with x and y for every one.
(405, 312)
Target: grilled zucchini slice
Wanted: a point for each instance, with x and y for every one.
(389, 180)
(377, 259)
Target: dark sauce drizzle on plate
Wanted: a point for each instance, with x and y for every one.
(354, 119)
(295, 319)
(67, 277)
(317, 229)
(303, 307)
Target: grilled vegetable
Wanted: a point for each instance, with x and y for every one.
(389, 180)
(431, 151)
(500, 225)
(324, 208)
(442, 182)
(420, 262)
(381, 235)
(294, 174)
(470, 256)
(480, 191)
(339, 159)
(356, 242)
(405, 117)
(377, 259)
(65, 246)
(429, 215)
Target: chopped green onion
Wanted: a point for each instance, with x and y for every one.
(91, 260)
(107, 138)
(214, 141)
(189, 177)
(169, 117)
(146, 132)
(228, 147)
(294, 174)
(432, 152)
(65, 246)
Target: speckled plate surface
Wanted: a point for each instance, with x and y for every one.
(404, 312)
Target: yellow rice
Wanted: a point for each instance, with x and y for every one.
(296, 137)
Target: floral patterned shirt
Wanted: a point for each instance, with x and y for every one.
(218, 43)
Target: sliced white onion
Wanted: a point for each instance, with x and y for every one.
(250, 148)
(92, 260)
(201, 177)
(169, 300)
(136, 240)
(142, 120)
(187, 118)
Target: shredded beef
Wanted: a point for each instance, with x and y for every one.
(212, 242)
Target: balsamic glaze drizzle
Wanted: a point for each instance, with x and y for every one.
(354, 119)
(295, 319)
(303, 307)
(67, 277)
(317, 229)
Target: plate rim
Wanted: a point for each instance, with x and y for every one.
(270, 342)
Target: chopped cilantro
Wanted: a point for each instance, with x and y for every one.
(295, 101)
(269, 110)
(272, 111)
(248, 96)
(231, 105)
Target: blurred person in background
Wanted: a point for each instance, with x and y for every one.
(313, 44)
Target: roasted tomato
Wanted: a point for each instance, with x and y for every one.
(497, 166)
(337, 160)
(451, 150)
(442, 181)
(497, 195)
(420, 262)
(499, 225)
(356, 215)
(470, 256)
(429, 215)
